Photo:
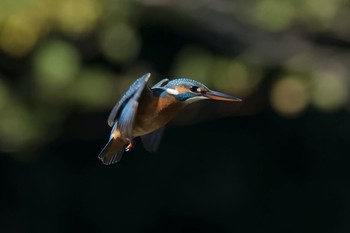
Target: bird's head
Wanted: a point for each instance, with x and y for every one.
(189, 91)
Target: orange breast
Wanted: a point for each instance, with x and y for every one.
(154, 113)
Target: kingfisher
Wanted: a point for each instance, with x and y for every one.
(143, 111)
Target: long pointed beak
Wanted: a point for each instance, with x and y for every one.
(220, 96)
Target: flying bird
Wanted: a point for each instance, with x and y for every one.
(143, 111)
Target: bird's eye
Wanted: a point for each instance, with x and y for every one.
(194, 89)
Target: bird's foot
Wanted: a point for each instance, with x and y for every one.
(131, 145)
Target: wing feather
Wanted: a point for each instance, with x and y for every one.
(127, 118)
(161, 83)
(136, 88)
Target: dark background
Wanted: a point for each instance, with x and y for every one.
(278, 162)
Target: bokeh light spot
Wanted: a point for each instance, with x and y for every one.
(322, 15)
(194, 62)
(302, 62)
(330, 91)
(79, 16)
(235, 77)
(18, 35)
(4, 96)
(120, 43)
(93, 89)
(273, 15)
(56, 63)
(289, 96)
(17, 128)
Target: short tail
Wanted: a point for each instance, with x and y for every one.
(112, 152)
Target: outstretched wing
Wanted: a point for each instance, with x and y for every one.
(128, 101)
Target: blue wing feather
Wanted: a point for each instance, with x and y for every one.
(161, 83)
(127, 118)
(136, 87)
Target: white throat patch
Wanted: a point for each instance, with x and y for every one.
(172, 91)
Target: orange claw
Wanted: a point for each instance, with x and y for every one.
(131, 145)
